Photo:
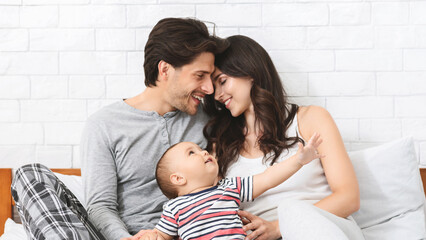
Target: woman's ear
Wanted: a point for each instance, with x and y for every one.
(177, 179)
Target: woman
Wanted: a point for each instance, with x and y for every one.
(253, 126)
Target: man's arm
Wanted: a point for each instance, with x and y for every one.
(280, 172)
(100, 182)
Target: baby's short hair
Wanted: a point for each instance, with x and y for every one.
(162, 175)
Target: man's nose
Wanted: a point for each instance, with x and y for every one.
(207, 86)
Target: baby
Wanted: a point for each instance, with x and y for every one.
(202, 205)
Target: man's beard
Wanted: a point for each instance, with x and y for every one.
(183, 102)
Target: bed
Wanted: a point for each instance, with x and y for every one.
(392, 191)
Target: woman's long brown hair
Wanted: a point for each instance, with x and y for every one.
(246, 58)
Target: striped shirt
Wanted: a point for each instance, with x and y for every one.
(208, 214)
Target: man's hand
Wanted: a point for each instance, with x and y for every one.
(149, 234)
(261, 229)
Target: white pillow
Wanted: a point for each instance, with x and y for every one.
(390, 190)
(407, 226)
(13, 231)
(74, 184)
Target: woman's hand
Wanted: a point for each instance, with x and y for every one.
(261, 229)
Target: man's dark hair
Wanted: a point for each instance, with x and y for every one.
(178, 41)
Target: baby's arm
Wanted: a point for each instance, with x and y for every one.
(280, 172)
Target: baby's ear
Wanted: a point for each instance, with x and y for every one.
(177, 179)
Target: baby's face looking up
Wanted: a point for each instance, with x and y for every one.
(197, 166)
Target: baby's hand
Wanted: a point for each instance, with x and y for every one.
(307, 153)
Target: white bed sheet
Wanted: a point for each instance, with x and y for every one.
(13, 231)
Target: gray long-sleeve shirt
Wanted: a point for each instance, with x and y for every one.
(120, 148)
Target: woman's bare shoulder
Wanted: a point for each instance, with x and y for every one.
(312, 111)
(311, 118)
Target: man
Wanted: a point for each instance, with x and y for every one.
(122, 143)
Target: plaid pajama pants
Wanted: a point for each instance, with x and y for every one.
(48, 209)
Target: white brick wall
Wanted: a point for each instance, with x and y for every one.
(303, 60)
(341, 84)
(369, 60)
(28, 63)
(401, 83)
(358, 13)
(63, 133)
(284, 14)
(53, 110)
(284, 37)
(49, 87)
(14, 87)
(14, 40)
(386, 13)
(54, 156)
(52, 39)
(9, 110)
(248, 15)
(93, 16)
(38, 16)
(9, 16)
(62, 60)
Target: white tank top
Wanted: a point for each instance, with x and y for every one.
(309, 183)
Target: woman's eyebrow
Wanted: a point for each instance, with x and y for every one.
(215, 78)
